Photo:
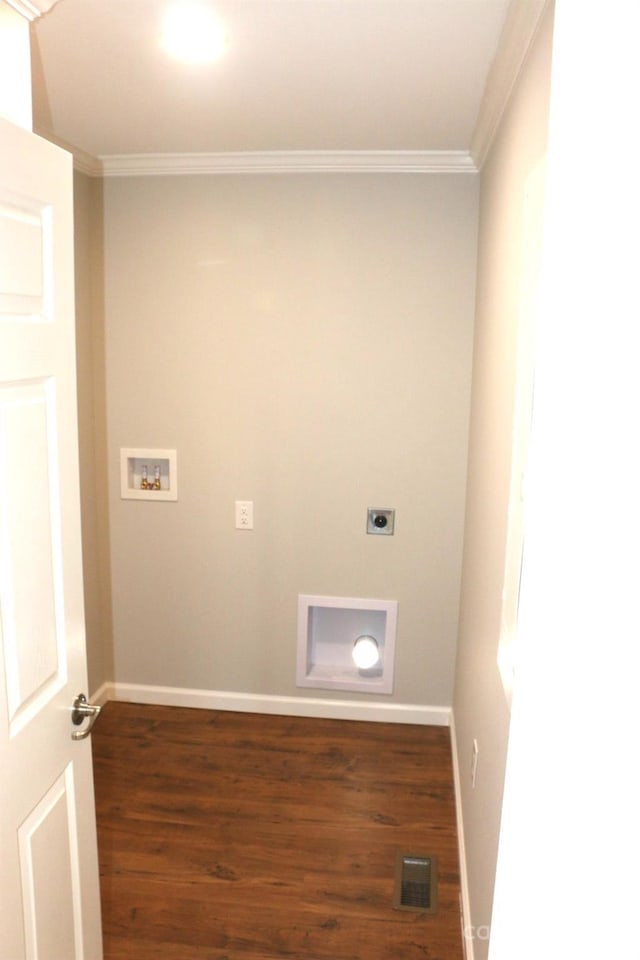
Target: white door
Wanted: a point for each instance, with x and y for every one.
(49, 890)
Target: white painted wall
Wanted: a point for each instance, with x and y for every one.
(303, 342)
(480, 707)
(570, 840)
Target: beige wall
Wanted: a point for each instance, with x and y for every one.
(303, 342)
(480, 705)
(92, 426)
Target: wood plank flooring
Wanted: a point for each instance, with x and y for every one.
(229, 836)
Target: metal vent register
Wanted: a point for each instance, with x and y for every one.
(415, 885)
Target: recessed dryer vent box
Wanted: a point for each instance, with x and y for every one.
(148, 474)
(327, 630)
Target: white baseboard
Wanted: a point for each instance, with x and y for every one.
(102, 694)
(377, 711)
(465, 905)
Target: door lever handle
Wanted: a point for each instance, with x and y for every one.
(81, 711)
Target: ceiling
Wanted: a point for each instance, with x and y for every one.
(297, 75)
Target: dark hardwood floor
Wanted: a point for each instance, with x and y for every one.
(229, 836)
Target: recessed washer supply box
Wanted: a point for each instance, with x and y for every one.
(327, 630)
(157, 468)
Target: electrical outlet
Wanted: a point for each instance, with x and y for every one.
(381, 520)
(244, 514)
(474, 762)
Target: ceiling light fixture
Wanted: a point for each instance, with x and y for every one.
(191, 32)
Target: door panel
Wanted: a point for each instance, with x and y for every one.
(50, 875)
(25, 251)
(34, 649)
(49, 890)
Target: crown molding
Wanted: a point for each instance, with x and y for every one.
(85, 163)
(519, 30)
(295, 161)
(82, 161)
(32, 9)
(266, 162)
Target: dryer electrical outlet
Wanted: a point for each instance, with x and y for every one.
(381, 520)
